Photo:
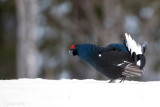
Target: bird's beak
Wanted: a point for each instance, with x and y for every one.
(71, 51)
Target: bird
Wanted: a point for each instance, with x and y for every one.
(116, 60)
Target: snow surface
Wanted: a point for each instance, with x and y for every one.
(78, 93)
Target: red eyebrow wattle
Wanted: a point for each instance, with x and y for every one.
(73, 46)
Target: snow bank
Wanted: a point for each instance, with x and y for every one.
(78, 93)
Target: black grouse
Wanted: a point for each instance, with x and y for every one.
(115, 60)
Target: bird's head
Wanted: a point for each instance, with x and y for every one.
(73, 50)
(82, 50)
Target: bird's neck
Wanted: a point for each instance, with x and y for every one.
(92, 56)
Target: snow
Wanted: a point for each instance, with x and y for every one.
(78, 93)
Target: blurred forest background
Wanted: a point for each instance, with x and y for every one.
(35, 35)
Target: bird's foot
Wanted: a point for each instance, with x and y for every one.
(111, 81)
(123, 79)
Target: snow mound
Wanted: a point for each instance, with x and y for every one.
(77, 93)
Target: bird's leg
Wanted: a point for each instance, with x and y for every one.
(123, 79)
(111, 81)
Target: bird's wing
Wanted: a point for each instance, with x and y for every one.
(130, 69)
(122, 60)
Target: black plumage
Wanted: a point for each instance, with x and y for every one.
(114, 61)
